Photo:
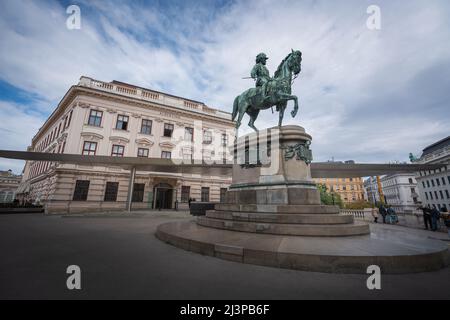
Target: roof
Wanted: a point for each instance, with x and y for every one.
(436, 146)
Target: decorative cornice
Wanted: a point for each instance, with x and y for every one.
(119, 139)
(92, 135)
(144, 141)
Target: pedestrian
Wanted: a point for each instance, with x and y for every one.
(189, 202)
(434, 218)
(446, 217)
(426, 217)
(374, 214)
(382, 211)
(392, 215)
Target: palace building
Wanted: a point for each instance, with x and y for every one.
(121, 120)
(349, 189)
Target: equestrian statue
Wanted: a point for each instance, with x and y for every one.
(269, 91)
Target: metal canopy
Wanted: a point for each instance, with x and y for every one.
(318, 169)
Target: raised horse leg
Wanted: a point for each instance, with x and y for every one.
(286, 97)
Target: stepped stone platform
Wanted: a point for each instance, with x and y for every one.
(273, 216)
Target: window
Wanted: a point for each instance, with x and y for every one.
(185, 193)
(432, 182)
(435, 193)
(146, 127)
(448, 178)
(111, 191)
(205, 194)
(410, 180)
(142, 152)
(413, 190)
(117, 150)
(442, 195)
(447, 194)
(188, 134)
(438, 182)
(431, 195)
(428, 183)
(122, 122)
(223, 192)
(89, 148)
(168, 130)
(423, 184)
(138, 192)
(81, 190)
(224, 139)
(166, 154)
(95, 118)
(207, 137)
(443, 181)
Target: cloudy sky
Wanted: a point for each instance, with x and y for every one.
(367, 95)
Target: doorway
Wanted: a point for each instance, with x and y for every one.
(163, 196)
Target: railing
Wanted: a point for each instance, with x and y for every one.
(151, 96)
(356, 213)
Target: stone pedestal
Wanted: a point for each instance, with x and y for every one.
(273, 217)
(272, 191)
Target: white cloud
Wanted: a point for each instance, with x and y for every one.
(362, 92)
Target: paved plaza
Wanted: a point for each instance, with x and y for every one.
(120, 258)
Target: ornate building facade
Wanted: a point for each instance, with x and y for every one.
(434, 185)
(349, 189)
(118, 119)
(9, 182)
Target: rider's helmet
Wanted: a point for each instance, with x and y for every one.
(260, 57)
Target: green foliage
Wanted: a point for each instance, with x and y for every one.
(329, 198)
(358, 205)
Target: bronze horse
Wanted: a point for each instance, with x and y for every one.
(253, 100)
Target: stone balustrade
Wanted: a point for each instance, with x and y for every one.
(148, 95)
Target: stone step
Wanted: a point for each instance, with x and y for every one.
(314, 230)
(290, 218)
(278, 208)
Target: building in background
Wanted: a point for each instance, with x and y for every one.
(434, 185)
(400, 191)
(118, 119)
(349, 189)
(9, 182)
(371, 190)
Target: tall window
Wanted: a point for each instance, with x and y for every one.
(146, 127)
(95, 118)
(207, 137)
(168, 130)
(188, 134)
(142, 152)
(89, 148)
(138, 192)
(122, 122)
(224, 139)
(81, 190)
(410, 180)
(111, 191)
(117, 150)
(205, 194)
(185, 193)
(166, 154)
(438, 182)
(447, 194)
(223, 192)
(70, 118)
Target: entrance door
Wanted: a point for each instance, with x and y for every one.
(163, 196)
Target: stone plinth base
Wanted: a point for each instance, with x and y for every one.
(392, 252)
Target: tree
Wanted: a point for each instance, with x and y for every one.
(329, 198)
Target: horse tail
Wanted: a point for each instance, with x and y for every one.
(235, 108)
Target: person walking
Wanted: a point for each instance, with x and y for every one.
(374, 214)
(434, 218)
(446, 217)
(382, 211)
(426, 217)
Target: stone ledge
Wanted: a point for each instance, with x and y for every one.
(290, 218)
(331, 255)
(312, 230)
